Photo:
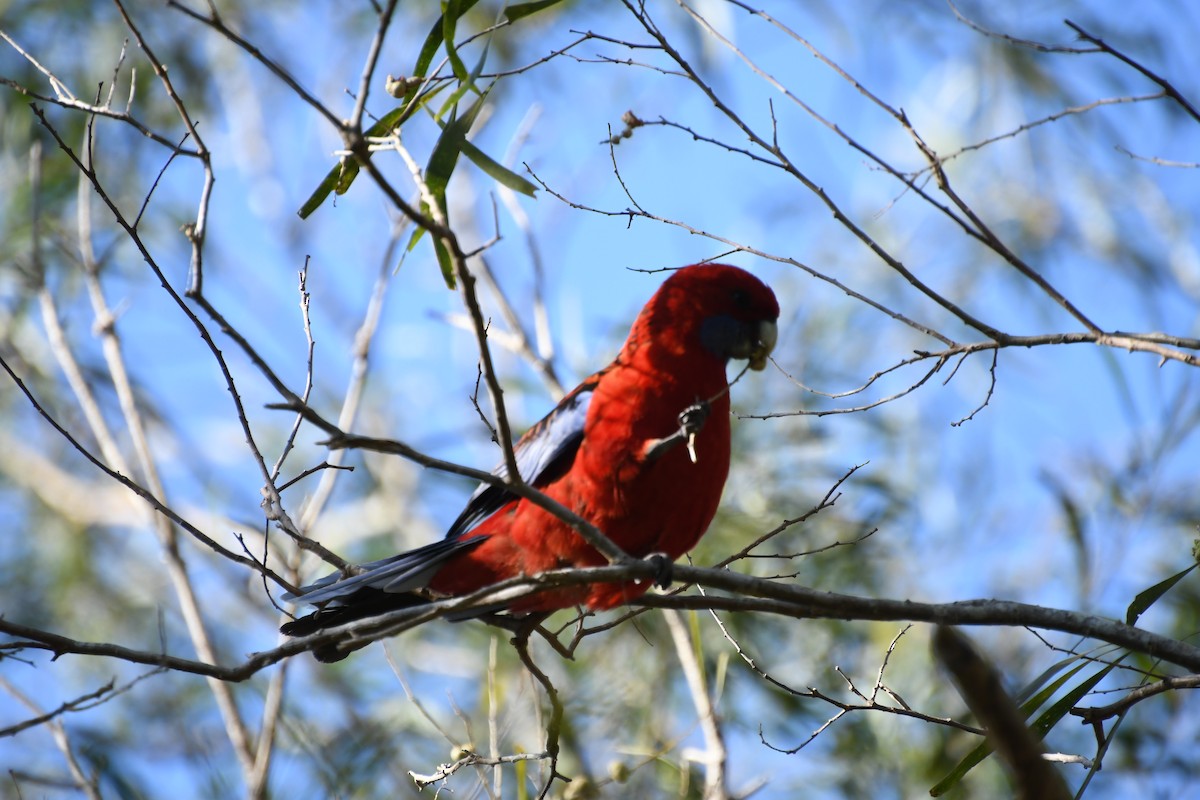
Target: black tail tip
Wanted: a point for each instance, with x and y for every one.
(361, 605)
(301, 626)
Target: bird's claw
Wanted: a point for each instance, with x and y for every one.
(691, 421)
(664, 569)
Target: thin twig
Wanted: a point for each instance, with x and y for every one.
(745, 594)
(715, 754)
(554, 726)
(1013, 40)
(1166, 85)
(1169, 684)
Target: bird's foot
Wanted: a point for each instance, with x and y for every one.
(516, 624)
(691, 422)
(664, 569)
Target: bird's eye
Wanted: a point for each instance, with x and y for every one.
(740, 297)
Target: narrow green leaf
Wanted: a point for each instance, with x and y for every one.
(434, 39)
(343, 174)
(467, 84)
(1149, 597)
(490, 166)
(1039, 728)
(521, 10)
(693, 620)
(441, 165)
(349, 169)
(439, 249)
(327, 185)
(446, 151)
(345, 171)
(451, 102)
(984, 749)
(454, 10)
(417, 233)
(454, 141)
(497, 171)
(443, 257)
(968, 763)
(1051, 716)
(1037, 683)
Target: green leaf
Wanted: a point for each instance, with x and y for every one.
(442, 162)
(444, 261)
(445, 153)
(1056, 712)
(417, 233)
(467, 84)
(1034, 685)
(521, 10)
(439, 249)
(454, 10)
(331, 181)
(1148, 597)
(1039, 728)
(1101, 653)
(497, 171)
(435, 37)
(984, 749)
(346, 170)
(693, 620)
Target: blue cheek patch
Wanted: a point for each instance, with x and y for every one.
(724, 337)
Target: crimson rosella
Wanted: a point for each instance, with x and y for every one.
(640, 449)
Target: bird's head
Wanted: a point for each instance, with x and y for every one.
(727, 311)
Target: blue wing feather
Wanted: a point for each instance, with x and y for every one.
(545, 451)
(395, 575)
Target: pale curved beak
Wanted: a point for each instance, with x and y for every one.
(766, 334)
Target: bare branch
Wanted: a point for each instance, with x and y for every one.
(1066, 112)
(88, 784)
(1168, 88)
(739, 247)
(215, 22)
(1013, 40)
(1162, 162)
(368, 73)
(470, 759)
(747, 594)
(1102, 713)
(554, 726)
(137, 489)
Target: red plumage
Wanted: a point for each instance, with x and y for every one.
(612, 451)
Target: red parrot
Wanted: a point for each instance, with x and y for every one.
(640, 449)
